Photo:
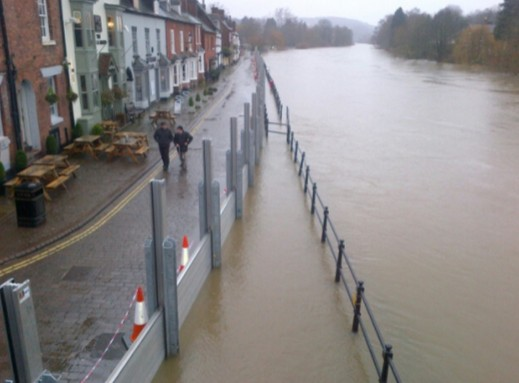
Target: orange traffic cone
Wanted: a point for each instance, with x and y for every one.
(141, 315)
(185, 254)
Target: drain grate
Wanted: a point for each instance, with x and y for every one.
(78, 273)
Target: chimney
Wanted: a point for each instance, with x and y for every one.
(156, 7)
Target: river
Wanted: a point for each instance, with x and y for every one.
(418, 164)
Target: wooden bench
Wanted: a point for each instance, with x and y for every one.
(10, 185)
(60, 181)
(101, 147)
(70, 148)
(69, 170)
(143, 150)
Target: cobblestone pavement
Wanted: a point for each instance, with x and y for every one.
(86, 260)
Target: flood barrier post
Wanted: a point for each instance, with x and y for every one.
(150, 275)
(358, 301)
(216, 234)
(234, 152)
(239, 186)
(171, 322)
(314, 194)
(295, 151)
(255, 127)
(325, 224)
(158, 202)
(307, 176)
(292, 141)
(388, 355)
(339, 261)
(246, 132)
(301, 165)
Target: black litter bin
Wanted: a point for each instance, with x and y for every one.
(30, 204)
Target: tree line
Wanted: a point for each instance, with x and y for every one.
(488, 38)
(286, 31)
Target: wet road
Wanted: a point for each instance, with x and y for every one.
(82, 292)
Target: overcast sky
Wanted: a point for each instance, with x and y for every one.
(369, 11)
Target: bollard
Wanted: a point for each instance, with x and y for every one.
(358, 301)
(325, 224)
(339, 261)
(314, 194)
(306, 178)
(302, 162)
(388, 355)
(295, 151)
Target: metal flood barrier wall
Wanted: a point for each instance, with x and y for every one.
(144, 357)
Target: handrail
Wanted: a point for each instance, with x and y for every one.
(321, 211)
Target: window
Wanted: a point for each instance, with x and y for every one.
(147, 42)
(95, 89)
(89, 29)
(53, 107)
(134, 41)
(139, 96)
(158, 40)
(172, 35)
(164, 76)
(110, 26)
(44, 20)
(78, 30)
(181, 37)
(198, 35)
(83, 90)
(175, 75)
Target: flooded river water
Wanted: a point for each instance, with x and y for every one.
(418, 164)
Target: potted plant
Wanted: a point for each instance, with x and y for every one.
(71, 95)
(118, 93)
(97, 130)
(51, 144)
(77, 131)
(51, 97)
(20, 160)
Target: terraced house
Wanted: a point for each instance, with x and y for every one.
(85, 61)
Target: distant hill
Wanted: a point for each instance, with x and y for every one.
(362, 32)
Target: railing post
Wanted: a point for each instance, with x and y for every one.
(388, 355)
(302, 162)
(307, 175)
(295, 151)
(314, 194)
(291, 141)
(325, 224)
(358, 301)
(339, 261)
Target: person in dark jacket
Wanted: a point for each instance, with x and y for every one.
(181, 140)
(164, 138)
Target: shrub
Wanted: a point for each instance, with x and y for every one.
(191, 102)
(77, 131)
(97, 130)
(197, 98)
(51, 144)
(20, 160)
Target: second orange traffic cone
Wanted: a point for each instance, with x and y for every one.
(141, 315)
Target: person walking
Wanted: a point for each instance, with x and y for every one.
(182, 139)
(164, 138)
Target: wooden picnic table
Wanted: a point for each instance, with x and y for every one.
(126, 147)
(44, 174)
(87, 144)
(110, 127)
(58, 160)
(140, 136)
(163, 115)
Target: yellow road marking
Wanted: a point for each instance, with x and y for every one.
(101, 221)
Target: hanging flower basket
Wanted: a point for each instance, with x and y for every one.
(118, 93)
(71, 95)
(107, 98)
(51, 97)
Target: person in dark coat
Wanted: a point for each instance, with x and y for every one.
(182, 139)
(164, 138)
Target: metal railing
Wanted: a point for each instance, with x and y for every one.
(354, 287)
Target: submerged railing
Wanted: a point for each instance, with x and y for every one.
(329, 235)
(356, 293)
